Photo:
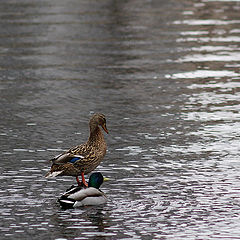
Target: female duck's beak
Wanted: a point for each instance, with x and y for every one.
(105, 128)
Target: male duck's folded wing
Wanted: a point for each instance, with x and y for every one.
(84, 193)
(91, 201)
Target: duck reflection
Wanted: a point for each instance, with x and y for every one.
(88, 221)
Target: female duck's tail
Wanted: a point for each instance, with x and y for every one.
(52, 174)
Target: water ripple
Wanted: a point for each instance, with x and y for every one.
(166, 73)
(203, 74)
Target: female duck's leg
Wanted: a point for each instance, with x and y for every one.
(78, 181)
(83, 180)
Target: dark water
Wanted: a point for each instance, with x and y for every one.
(166, 75)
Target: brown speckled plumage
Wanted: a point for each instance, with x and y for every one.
(83, 158)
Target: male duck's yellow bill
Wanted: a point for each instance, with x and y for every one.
(106, 179)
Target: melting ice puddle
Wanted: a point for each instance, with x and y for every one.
(228, 85)
(208, 39)
(148, 136)
(31, 124)
(202, 74)
(20, 150)
(133, 150)
(211, 57)
(207, 22)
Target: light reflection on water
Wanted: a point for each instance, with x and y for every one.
(203, 74)
(167, 79)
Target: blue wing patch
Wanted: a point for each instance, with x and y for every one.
(73, 160)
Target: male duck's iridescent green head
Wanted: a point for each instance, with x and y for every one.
(96, 179)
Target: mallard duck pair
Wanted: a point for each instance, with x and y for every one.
(84, 158)
(81, 196)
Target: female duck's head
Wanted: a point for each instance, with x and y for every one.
(98, 119)
(96, 179)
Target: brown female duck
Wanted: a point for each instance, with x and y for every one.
(84, 158)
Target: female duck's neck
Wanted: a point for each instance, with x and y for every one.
(96, 136)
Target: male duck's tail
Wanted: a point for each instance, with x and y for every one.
(66, 202)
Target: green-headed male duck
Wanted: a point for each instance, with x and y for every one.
(81, 196)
